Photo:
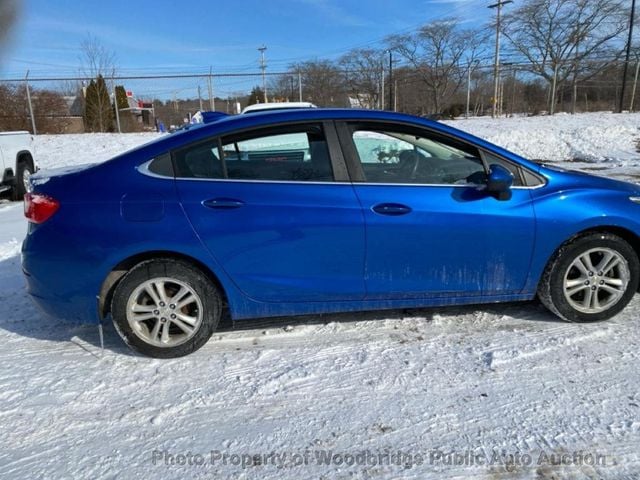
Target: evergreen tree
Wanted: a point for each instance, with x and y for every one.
(257, 96)
(121, 97)
(98, 112)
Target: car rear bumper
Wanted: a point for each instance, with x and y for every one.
(56, 291)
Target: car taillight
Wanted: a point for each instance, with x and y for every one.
(39, 208)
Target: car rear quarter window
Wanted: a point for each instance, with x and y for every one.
(161, 166)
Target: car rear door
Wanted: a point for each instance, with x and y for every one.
(275, 208)
(428, 232)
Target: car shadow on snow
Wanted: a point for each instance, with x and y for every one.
(526, 311)
(20, 316)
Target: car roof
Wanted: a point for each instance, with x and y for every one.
(277, 106)
(267, 117)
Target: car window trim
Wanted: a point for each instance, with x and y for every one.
(338, 164)
(341, 151)
(225, 173)
(350, 153)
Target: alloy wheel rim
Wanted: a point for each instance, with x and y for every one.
(596, 280)
(26, 176)
(164, 312)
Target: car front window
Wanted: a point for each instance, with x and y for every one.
(390, 156)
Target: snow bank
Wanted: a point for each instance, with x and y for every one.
(76, 149)
(588, 137)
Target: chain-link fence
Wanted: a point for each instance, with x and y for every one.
(161, 101)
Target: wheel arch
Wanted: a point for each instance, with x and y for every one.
(112, 279)
(625, 234)
(24, 156)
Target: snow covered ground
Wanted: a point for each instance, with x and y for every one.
(440, 386)
(588, 137)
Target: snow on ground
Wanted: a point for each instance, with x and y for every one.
(508, 380)
(77, 149)
(589, 137)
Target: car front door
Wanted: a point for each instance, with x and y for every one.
(430, 229)
(276, 210)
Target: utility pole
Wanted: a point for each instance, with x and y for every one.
(299, 86)
(501, 97)
(626, 60)
(212, 100)
(468, 90)
(263, 67)
(395, 95)
(115, 105)
(554, 83)
(391, 83)
(496, 64)
(33, 119)
(199, 98)
(382, 102)
(633, 90)
(512, 104)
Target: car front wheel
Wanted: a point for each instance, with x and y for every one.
(591, 278)
(23, 174)
(166, 308)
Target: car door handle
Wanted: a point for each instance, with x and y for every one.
(223, 203)
(391, 209)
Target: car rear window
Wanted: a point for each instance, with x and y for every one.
(289, 153)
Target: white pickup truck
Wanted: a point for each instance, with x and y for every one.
(16, 162)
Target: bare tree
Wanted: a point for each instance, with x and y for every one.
(283, 88)
(96, 59)
(363, 71)
(440, 53)
(98, 63)
(557, 36)
(322, 82)
(49, 107)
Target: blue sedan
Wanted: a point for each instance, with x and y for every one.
(316, 211)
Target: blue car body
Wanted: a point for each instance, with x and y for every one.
(284, 248)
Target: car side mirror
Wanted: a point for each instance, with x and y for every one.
(499, 181)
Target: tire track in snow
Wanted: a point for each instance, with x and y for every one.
(506, 355)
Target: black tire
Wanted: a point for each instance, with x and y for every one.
(551, 288)
(18, 190)
(204, 289)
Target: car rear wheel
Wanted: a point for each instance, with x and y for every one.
(591, 278)
(166, 308)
